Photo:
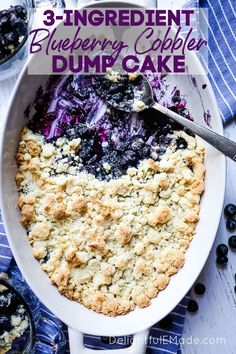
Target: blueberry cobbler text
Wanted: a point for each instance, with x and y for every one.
(110, 200)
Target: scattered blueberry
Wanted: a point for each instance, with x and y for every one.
(230, 210)
(222, 260)
(235, 288)
(231, 224)
(108, 340)
(199, 289)
(232, 242)
(192, 306)
(181, 143)
(222, 249)
(204, 86)
(46, 258)
(166, 322)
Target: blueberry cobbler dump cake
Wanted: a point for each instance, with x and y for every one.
(14, 320)
(110, 200)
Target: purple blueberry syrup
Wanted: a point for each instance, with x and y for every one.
(71, 107)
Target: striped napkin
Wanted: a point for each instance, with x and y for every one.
(222, 53)
(51, 334)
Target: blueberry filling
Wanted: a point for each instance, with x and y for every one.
(13, 28)
(121, 92)
(71, 107)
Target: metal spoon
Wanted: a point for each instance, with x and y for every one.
(224, 145)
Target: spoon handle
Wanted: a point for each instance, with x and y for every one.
(224, 145)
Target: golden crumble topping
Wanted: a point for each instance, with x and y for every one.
(110, 245)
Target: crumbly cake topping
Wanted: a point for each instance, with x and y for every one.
(110, 245)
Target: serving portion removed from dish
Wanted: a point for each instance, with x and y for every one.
(110, 200)
(14, 322)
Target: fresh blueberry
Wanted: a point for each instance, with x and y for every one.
(21, 11)
(129, 159)
(4, 24)
(11, 37)
(108, 340)
(181, 143)
(114, 88)
(82, 131)
(14, 19)
(20, 27)
(137, 143)
(230, 210)
(232, 242)
(117, 97)
(192, 306)
(222, 249)
(231, 224)
(167, 129)
(87, 151)
(82, 94)
(222, 260)
(199, 289)
(166, 322)
(46, 258)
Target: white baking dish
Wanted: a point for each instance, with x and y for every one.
(79, 319)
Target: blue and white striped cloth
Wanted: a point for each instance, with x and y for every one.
(51, 334)
(222, 53)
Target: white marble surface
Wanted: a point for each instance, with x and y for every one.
(215, 322)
